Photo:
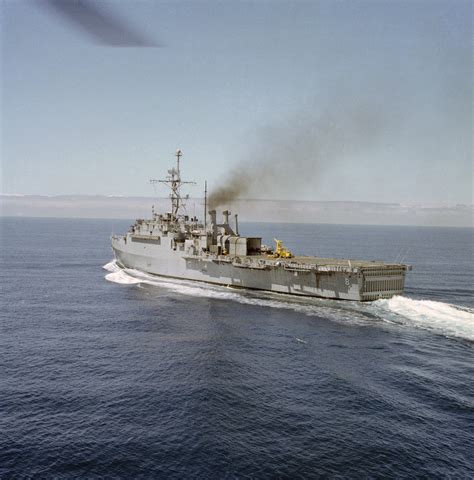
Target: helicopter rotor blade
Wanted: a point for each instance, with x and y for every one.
(100, 25)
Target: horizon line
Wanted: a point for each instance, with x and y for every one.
(430, 205)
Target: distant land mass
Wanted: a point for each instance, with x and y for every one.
(336, 212)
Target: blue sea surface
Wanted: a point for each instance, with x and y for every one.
(107, 373)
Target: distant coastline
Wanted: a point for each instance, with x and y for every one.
(335, 212)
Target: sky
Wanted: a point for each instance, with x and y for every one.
(326, 100)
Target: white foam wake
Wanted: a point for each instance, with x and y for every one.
(119, 275)
(111, 266)
(441, 317)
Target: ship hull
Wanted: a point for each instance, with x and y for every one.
(173, 244)
(278, 277)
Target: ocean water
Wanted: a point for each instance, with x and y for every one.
(110, 373)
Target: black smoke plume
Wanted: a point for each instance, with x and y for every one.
(296, 154)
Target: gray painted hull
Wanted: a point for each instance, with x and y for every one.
(167, 259)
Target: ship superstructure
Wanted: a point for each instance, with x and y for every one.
(173, 244)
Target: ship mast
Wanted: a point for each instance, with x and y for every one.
(174, 182)
(205, 206)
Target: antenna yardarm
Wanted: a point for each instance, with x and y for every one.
(174, 182)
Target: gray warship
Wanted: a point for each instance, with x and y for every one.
(175, 245)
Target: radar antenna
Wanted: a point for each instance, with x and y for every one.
(174, 182)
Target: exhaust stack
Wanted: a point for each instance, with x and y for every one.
(213, 215)
(225, 215)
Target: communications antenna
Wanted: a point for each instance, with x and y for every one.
(205, 206)
(174, 182)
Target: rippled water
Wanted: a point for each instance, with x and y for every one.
(117, 374)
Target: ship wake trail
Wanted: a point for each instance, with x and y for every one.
(444, 318)
(438, 317)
